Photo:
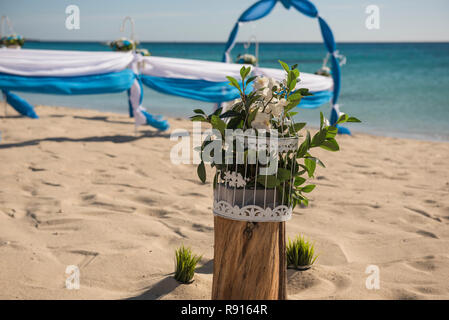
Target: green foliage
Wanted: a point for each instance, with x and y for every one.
(294, 168)
(300, 253)
(185, 264)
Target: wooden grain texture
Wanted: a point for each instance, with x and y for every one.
(249, 260)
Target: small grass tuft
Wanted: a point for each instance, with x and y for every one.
(186, 263)
(300, 253)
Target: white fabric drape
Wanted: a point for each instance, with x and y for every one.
(62, 63)
(217, 72)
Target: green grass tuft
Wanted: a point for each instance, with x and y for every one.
(300, 253)
(186, 263)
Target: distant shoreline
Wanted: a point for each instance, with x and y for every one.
(240, 42)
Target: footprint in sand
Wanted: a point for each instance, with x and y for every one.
(316, 282)
(426, 264)
(427, 234)
(423, 213)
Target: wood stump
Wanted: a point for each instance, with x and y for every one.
(249, 260)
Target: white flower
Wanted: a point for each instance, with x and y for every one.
(234, 179)
(261, 82)
(326, 122)
(261, 122)
(276, 107)
(273, 83)
(267, 94)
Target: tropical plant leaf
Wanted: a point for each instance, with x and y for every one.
(201, 170)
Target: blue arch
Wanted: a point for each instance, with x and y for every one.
(263, 7)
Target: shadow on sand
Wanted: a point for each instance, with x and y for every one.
(112, 138)
(158, 290)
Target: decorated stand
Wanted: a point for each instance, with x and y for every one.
(250, 209)
(11, 40)
(262, 160)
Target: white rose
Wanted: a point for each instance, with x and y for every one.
(276, 107)
(260, 82)
(267, 94)
(261, 122)
(273, 83)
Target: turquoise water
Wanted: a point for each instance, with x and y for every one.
(399, 89)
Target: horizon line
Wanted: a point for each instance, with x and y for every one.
(242, 42)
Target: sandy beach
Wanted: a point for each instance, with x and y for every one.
(79, 187)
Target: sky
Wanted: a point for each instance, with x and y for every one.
(212, 20)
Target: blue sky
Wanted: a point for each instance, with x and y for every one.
(212, 20)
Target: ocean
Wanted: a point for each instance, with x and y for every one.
(396, 89)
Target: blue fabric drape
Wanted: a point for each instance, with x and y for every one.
(193, 89)
(262, 8)
(305, 7)
(216, 92)
(258, 10)
(20, 105)
(113, 82)
(92, 84)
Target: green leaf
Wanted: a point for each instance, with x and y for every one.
(299, 126)
(285, 66)
(291, 80)
(305, 92)
(201, 170)
(234, 83)
(218, 124)
(304, 146)
(268, 181)
(353, 119)
(299, 181)
(296, 72)
(343, 118)
(198, 118)
(330, 144)
(229, 114)
(331, 132)
(310, 165)
(244, 72)
(199, 111)
(252, 116)
(318, 138)
(218, 111)
(308, 188)
(295, 96)
(251, 79)
(321, 120)
(283, 174)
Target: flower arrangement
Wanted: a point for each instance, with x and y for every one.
(246, 189)
(13, 41)
(143, 52)
(123, 44)
(246, 59)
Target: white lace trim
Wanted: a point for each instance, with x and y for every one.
(252, 212)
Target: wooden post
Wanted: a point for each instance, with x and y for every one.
(249, 260)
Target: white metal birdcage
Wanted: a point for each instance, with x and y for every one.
(241, 188)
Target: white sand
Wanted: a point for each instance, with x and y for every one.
(77, 187)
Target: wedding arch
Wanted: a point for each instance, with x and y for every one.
(262, 8)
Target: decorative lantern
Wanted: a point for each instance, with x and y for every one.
(243, 192)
